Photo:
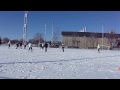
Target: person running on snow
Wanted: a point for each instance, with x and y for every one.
(98, 48)
(30, 47)
(63, 47)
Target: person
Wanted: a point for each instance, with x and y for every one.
(9, 44)
(24, 45)
(98, 48)
(17, 45)
(63, 47)
(30, 46)
(39, 44)
(42, 45)
(46, 45)
(21, 45)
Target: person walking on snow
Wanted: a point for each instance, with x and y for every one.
(25, 45)
(42, 45)
(98, 48)
(17, 45)
(63, 47)
(46, 45)
(20, 45)
(9, 44)
(30, 47)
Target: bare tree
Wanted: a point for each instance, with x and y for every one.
(112, 38)
(31, 40)
(74, 39)
(14, 41)
(92, 39)
(56, 36)
(5, 40)
(38, 38)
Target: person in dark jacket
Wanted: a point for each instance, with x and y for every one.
(21, 45)
(25, 45)
(17, 45)
(63, 47)
(46, 45)
(40, 45)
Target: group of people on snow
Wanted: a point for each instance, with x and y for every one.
(42, 46)
(30, 45)
(19, 44)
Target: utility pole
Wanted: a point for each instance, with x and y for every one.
(25, 28)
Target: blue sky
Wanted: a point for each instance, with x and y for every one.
(11, 22)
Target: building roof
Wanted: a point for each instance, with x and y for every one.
(90, 34)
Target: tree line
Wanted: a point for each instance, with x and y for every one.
(37, 38)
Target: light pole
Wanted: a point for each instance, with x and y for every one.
(45, 33)
(102, 34)
(52, 32)
(25, 27)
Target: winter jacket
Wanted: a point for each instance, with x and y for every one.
(46, 45)
(63, 45)
(98, 47)
(30, 44)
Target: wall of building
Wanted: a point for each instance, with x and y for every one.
(83, 42)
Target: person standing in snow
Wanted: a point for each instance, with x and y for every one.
(9, 44)
(63, 47)
(98, 48)
(46, 45)
(21, 45)
(30, 47)
(39, 44)
(17, 45)
(24, 45)
(42, 45)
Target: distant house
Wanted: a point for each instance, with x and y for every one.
(88, 39)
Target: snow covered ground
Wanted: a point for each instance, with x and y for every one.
(55, 64)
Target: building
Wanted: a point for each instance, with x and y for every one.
(83, 30)
(88, 39)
